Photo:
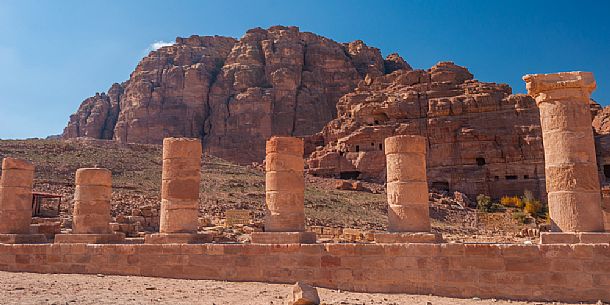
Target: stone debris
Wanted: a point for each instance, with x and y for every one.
(304, 294)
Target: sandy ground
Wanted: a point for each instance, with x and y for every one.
(62, 289)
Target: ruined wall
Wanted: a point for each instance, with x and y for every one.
(233, 94)
(569, 273)
(481, 139)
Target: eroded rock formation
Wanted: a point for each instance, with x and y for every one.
(481, 138)
(234, 94)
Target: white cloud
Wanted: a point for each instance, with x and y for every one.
(157, 45)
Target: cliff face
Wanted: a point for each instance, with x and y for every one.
(234, 94)
(481, 139)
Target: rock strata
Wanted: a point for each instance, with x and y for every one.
(233, 94)
(481, 138)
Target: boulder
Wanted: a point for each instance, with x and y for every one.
(303, 294)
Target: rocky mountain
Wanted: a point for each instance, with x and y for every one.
(481, 138)
(232, 93)
(343, 98)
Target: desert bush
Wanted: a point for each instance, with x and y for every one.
(533, 207)
(520, 217)
(513, 201)
(485, 204)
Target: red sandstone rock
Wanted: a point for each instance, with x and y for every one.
(232, 93)
(303, 294)
(481, 139)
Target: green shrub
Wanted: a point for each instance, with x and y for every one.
(520, 217)
(485, 204)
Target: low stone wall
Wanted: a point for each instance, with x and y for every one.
(579, 272)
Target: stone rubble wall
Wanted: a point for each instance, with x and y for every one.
(568, 273)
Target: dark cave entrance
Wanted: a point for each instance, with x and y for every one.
(349, 175)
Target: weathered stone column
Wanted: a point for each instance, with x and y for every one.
(407, 190)
(91, 214)
(16, 202)
(285, 192)
(181, 178)
(572, 181)
(91, 211)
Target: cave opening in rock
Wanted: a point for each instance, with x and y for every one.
(357, 148)
(607, 170)
(440, 186)
(349, 175)
(511, 177)
(480, 161)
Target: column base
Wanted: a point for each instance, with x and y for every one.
(178, 238)
(23, 239)
(110, 238)
(283, 237)
(574, 237)
(407, 237)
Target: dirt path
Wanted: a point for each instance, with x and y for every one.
(62, 289)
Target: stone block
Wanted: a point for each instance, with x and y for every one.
(287, 181)
(566, 147)
(572, 177)
(92, 193)
(15, 198)
(178, 221)
(178, 238)
(181, 168)
(405, 144)
(594, 237)
(181, 148)
(574, 238)
(283, 162)
(408, 237)
(285, 145)
(405, 193)
(284, 221)
(406, 167)
(576, 211)
(180, 188)
(558, 238)
(93, 177)
(409, 218)
(22, 239)
(17, 178)
(15, 221)
(13, 163)
(75, 238)
(283, 238)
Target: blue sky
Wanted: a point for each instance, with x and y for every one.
(54, 54)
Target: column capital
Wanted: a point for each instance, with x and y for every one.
(562, 85)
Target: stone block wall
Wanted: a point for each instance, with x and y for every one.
(568, 273)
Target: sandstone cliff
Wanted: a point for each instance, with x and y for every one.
(481, 139)
(233, 94)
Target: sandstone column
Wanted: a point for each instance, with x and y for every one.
(407, 190)
(181, 178)
(285, 191)
(570, 164)
(16, 202)
(91, 212)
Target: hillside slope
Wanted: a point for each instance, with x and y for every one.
(136, 170)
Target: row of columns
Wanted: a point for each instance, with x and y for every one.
(571, 175)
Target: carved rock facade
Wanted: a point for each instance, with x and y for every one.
(481, 139)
